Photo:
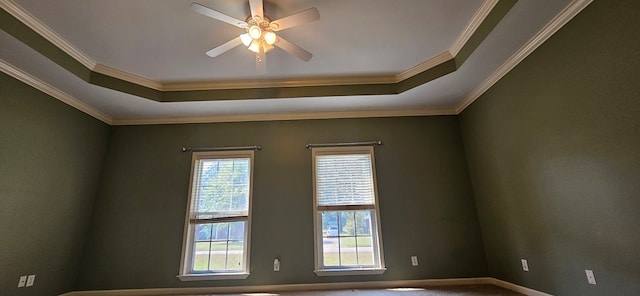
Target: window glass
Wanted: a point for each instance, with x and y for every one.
(347, 228)
(217, 227)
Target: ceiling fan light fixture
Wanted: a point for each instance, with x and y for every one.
(270, 37)
(255, 46)
(260, 32)
(255, 32)
(246, 39)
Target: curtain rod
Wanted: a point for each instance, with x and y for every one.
(256, 148)
(370, 143)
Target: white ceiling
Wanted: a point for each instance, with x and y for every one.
(165, 42)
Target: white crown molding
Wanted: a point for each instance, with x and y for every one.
(297, 82)
(36, 25)
(78, 104)
(126, 76)
(309, 81)
(284, 116)
(52, 91)
(312, 287)
(477, 19)
(570, 11)
(424, 66)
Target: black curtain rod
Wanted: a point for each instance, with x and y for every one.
(370, 143)
(256, 148)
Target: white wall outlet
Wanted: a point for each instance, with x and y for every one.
(591, 278)
(22, 281)
(30, 280)
(525, 265)
(276, 264)
(414, 260)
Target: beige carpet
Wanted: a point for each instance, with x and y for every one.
(467, 290)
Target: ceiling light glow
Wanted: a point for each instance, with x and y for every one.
(246, 39)
(270, 38)
(259, 38)
(255, 32)
(255, 46)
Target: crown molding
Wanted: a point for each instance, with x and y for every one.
(284, 116)
(68, 99)
(303, 82)
(126, 76)
(46, 88)
(475, 22)
(273, 83)
(568, 13)
(424, 66)
(39, 27)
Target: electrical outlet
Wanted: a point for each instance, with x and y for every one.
(22, 282)
(591, 278)
(525, 265)
(30, 280)
(414, 260)
(276, 264)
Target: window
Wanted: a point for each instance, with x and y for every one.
(217, 224)
(347, 225)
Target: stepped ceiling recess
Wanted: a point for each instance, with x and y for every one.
(144, 61)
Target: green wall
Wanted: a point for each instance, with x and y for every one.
(426, 201)
(50, 160)
(554, 158)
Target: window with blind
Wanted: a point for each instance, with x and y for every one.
(216, 239)
(347, 224)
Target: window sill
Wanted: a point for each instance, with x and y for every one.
(213, 276)
(349, 271)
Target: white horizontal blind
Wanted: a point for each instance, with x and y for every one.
(344, 179)
(221, 188)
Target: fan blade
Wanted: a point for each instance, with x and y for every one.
(305, 16)
(224, 47)
(293, 49)
(256, 9)
(261, 61)
(218, 15)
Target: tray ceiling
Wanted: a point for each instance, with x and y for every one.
(137, 62)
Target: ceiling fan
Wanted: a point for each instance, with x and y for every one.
(260, 31)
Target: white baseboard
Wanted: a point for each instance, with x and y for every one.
(311, 287)
(516, 288)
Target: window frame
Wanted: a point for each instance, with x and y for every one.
(319, 268)
(188, 241)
